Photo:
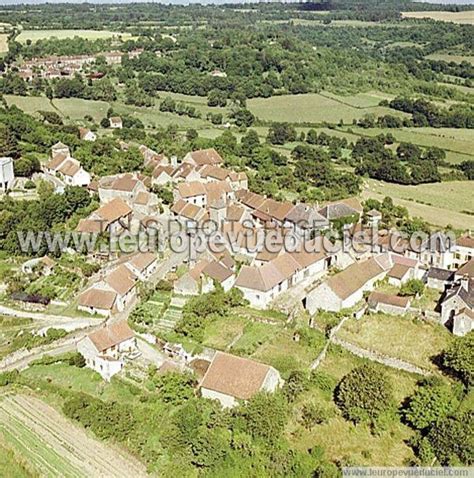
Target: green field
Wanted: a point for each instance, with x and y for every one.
(317, 108)
(400, 337)
(451, 57)
(439, 204)
(35, 35)
(3, 43)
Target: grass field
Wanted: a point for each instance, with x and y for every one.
(3, 43)
(439, 204)
(316, 108)
(450, 139)
(343, 441)
(451, 57)
(466, 17)
(404, 338)
(35, 35)
(12, 465)
(56, 447)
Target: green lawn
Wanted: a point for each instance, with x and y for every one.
(405, 338)
(35, 35)
(13, 465)
(439, 204)
(316, 108)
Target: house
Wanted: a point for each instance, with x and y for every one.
(189, 214)
(399, 274)
(146, 204)
(143, 264)
(7, 174)
(343, 209)
(466, 269)
(112, 217)
(98, 301)
(162, 175)
(87, 135)
(230, 378)
(388, 303)
(115, 122)
(105, 350)
(373, 217)
(305, 220)
(262, 284)
(219, 192)
(237, 180)
(463, 250)
(185, 172)
(60, 148)
(68, 169)
(463, 322)
(202, 157)
(123, 282)
(439, 279)
(346, 289)
(458, 298)
(200, 279)
(437, 250)
(125, 186)
(152, 159)
(192, 192)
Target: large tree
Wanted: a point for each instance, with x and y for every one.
(364, 393)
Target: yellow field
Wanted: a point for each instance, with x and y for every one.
(3, 43)
(35, 35)
(439, 204)
(455, 17)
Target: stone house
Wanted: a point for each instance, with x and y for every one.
(346, 289)
(457, 306)
(439, 279)
(162, 175)
(105, 350)
(116, 122)
(124, 186)
(193, 192)
(388, 303)
(203, 157)
(87, 135)
(463, 250)
(142, 264)
(112, 217)
(7, 174)
(230, 379)
(97, 301)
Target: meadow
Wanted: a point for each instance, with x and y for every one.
(466, 17)
(402, 337)
(3, 43)
(440, 204)
(451, 57)
(35, 35)
(317, 108)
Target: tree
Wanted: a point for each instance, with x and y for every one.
(217, 98)
(412, 287)
(364, 394)
(451, 440)
(281, 133)
(296, 384)
(265, 416)
(8, 143)
(243, 117)
(429, 405)
(458, 358)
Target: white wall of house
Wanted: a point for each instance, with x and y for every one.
(227, 401)
(257, 298)
(462, 255)
(323, 297)
(162, 179)
(389, 309)
(186, 285)
(272, 380)
(81, 178)
(462, 325)
(95, 311)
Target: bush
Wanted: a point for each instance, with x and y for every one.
(413, 287)
(30, 184)
(458, 358)
(364, 393)
(313, 414)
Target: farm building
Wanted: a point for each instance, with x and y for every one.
(105, 349)
(230, 378)
(388, 303)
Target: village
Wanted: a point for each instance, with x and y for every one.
(378, 271)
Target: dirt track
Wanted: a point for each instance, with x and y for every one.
(63, 449)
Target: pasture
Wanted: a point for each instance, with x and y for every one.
(317, 108)
(36, 35)
(440, 204)
(465, 18)
(54, 446)
(3, 43)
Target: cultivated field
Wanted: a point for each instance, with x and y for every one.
(439, 204)
(455, 17)
(317, 108)
(56, 447)
(35, 35)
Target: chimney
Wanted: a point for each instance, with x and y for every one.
(465, 282)
(174, 161)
